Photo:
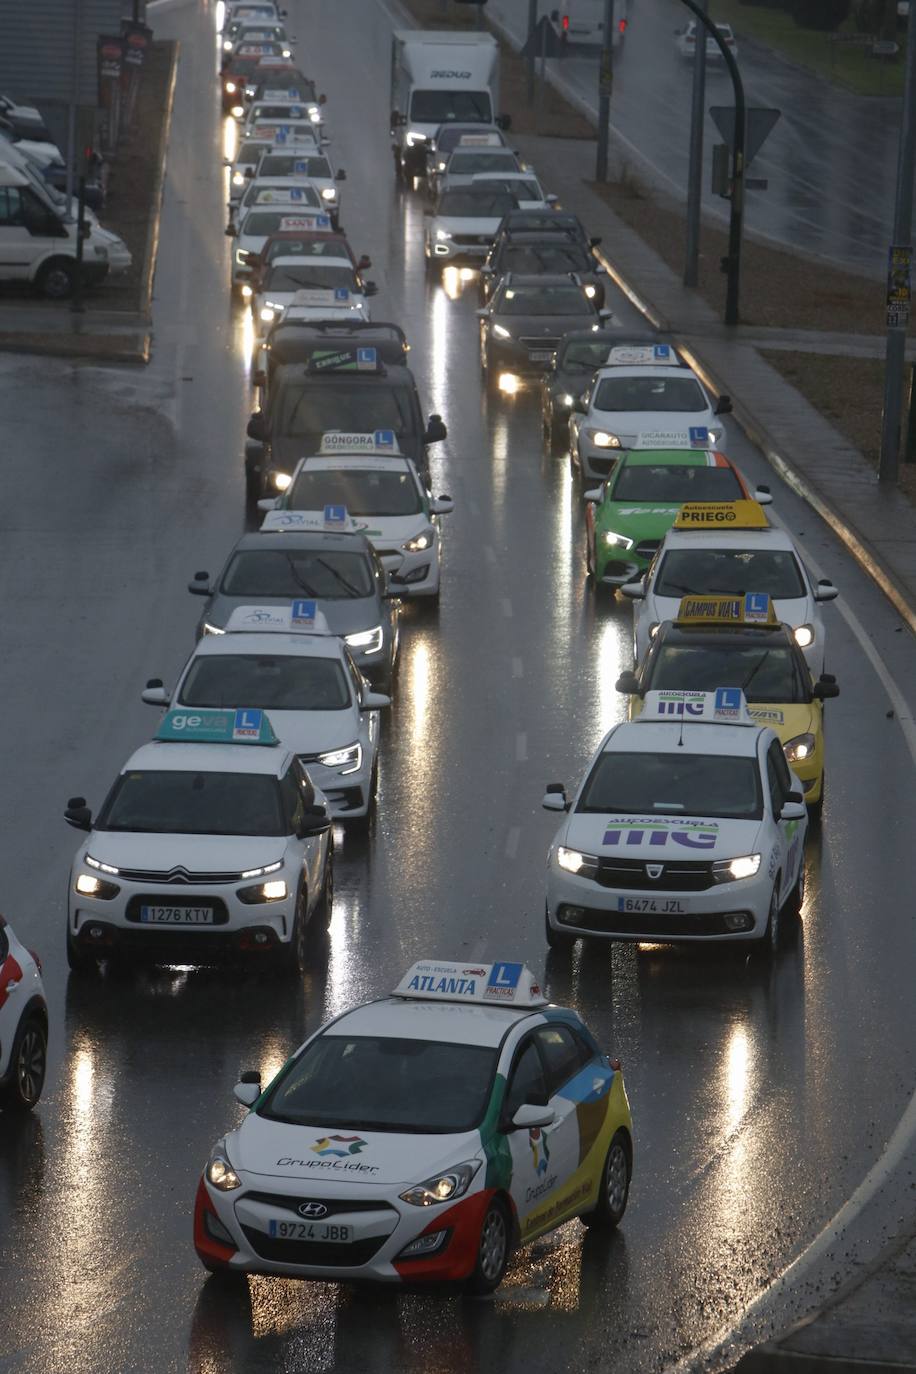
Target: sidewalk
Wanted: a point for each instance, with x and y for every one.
(871, 1323)
(877, 525)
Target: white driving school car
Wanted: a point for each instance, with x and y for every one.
(213, 840)
(689, 825)
(420, 1137)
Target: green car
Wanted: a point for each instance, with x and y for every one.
(629, 514)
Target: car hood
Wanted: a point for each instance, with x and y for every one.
(329, 1157)
(653, 429)
(551, 326)
(313, 732)
(641, 520)
(788, 719)
(343, 617)
(469, 224)
(661, 838)
(197, 853)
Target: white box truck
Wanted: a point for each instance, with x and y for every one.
(438, 77)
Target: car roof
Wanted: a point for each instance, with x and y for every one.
(662, 737)
(716, 635)
(270, 644)
(162, 756)
(730, 539)
(418, 1020)
(393, 375)
(536, 279)
(675, 457)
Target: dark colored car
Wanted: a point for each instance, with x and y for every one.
(239, 71)
(447, 137)
(342, 572)
(524, 322)
(547, 251)
(531, 221)
(337, 390)
(578, 356)
(296, 341)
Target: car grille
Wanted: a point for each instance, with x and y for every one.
(315, 1252)
(177, 875)
(335, 1205)
(539, 341)
(632, 875)
(472, 240)
(647, 548)
(645, 926)
(220, 914)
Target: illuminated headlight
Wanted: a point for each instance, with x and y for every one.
(574, 861)
(237, 111)
(590, 291)
(509, 384)
(268, 313)
(442, 234)
(212, 629)
(413, 139)
(247, 292)
(263, 870)
(347, 760)
(616, 541)
(221, 1174)
(441, 167)
(501, 332)
(227, 47)
(88, 885)
(238, 179)
(328, 193)
(273, 891)
(444, 1187)
(367, 641)
(287, 52)
(281, 480)
(103, 868)
(804, 636)
(231, 88)
(601, 439)
(799, 748)
(733, 870)
(565, 400)
(419, 542)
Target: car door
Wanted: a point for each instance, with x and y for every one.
(532, 1175)
(367, 724)
(19, 247)
(790, 834)
(298, 793)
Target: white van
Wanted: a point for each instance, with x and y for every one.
(582, 21)
(38, 245)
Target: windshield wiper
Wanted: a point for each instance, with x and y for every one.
(303, 586)
(753, 673)
(350, 586)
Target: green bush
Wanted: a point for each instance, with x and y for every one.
(823, 15)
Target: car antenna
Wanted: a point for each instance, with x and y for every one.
(680, 737)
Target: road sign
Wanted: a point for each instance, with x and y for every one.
(899, 264)
(760, 123)
(543, 40)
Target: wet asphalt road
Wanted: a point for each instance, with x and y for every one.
(761, 1096)
(830, 162)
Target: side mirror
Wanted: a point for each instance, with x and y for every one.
(364, 263)
(200, 584)
(763, 496)
(396, 119)
(605, 314)
(503, 121)
(530, 1118)
(259, 377)
(826, 686)
(316, 822)
(78, 814)
(154, 693)
(825, 590)
(441, 505)
(248, 1089)
(435, 430)
(341, 175)
(256, 428)
(628, 682)
(249, 259)
(370, 288)
(482, 312)
(724, 405)
(322, 99)
(551, 199)
(249, 173)
(555, 798)
(593, 243)
(374, 701)
(579, 406)
(594, 495)
(267, 503)
(231, 231)
(635, 591)
(793, 810)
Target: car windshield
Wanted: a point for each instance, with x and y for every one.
(546, 257)
(321, 247)
(665, 394)
(582, 356)
(311, 275)
(730, 572)
(476, 204)
(249, 153)
(286, 194)
(766, 671)
(291, 164)
(463, 164)
(194, 803)
(263, 223)
(273, 682)
(679, 784)
(317, 407)
(515, 186)
(363, 492)
(529, 221)
(541, 300)
(441, 107)
(380, 1083)
(324, 574)
(675, 483)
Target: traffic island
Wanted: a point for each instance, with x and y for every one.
(114, 325)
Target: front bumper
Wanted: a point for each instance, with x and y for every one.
(522, 359)
(380, 1225)
(348, 794)
(469, 253)
(596, 463)
(581, 906)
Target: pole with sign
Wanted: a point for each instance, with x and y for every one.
(605, 87)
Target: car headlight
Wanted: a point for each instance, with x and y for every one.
(238, 179)
(221, 1173)
(590, 291)
(263, 870)
(445, 1187)
(413, 139)
(501, 332)
(804, 635)
(419, 542)
(97, 863)
(440, 167)
(442, 234)
(281, 480)
(574, 861)
(732, 870)
(617, 541)
(247, 292)
(347, 759)
(209, 629)
(601, 439)
(268, 314)
(368, 641)
(565, 399)
(273, 891)
(227, 47)
(231, 88)
(88, 885)
(800, 748)
(328, 193)
(237, 111)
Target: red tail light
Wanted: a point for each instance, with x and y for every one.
(622, 26)
(566, 23)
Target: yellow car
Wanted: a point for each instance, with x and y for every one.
(737, 641)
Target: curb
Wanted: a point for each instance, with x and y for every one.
(97, 347)
(151, 251)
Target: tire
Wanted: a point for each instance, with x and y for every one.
(28, 1064)
(78, 958)
(796, 897)
(325, 908)
(614, 1190)
(57, 279)
(590, 564)
(556, 939)
(293, 957)
(773, 933)
(493, 1249)
(252, 491)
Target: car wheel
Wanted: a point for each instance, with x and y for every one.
(797, 895)
(492, 1250)
(773, 933)
(28, 1063)
(321, 917)
(78, 958)
(57, 279)
(556, 939)
(293, 957)
(614, 1189)
(590, 561)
